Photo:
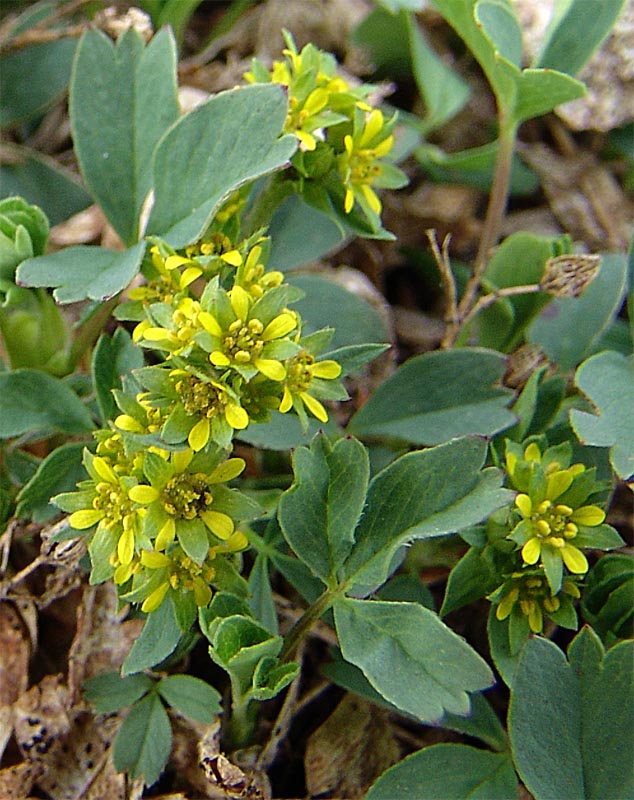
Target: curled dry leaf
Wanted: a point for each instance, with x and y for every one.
(15, 646)
(226, 780)
(350, 750)
(17, 781)
(41, 717)
(103, 638)
(584, 196)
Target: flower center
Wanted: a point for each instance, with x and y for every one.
(363, 168)
(551, 523)
(185, 571)
(299, 373)
(185, 496)
(200, 398)
(242, 343)
(113, 502)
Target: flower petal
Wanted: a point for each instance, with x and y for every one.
(314, 406)
(154, 559)
(125, 546)
(143, 494)
(574, 559)
(219, 524)
(166, 535)
(228, 470)
(240, 302)
(86, 518)
(287, 401)
(219, 359)
(104, 470)
(271, 368)
(328, 369)
(210, 324)
(588, 515)
(199, 434)
(523, 502)
(236, 416)
(531, 550)
(279, 326)
(154, 600)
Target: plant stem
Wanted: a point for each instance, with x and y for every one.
(306, 621)
(89, 332)
(493, 221)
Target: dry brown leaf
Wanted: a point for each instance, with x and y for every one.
(103, 639)
(350, 750)
(78, 766)
(15, 646)
(83, 228)
(17, 781)
(584, 196)
(41, 717)
(226, 780)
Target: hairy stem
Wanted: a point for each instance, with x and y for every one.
(301, 628)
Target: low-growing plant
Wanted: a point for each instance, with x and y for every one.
(194, 350)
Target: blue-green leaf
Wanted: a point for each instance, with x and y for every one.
(410, 657)
(437, 396)
(319, 513)
(81, 272)
(122, 100)
(221, 145)
(607, 380)
(194, 698)
(448, 772)
(157, 641)
(32, 401)
(577, 741)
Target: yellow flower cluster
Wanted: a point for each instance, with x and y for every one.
(340, 135)
(551, 522)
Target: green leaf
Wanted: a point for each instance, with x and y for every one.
(576, 31)
(437, 396)
(270, 677)
(607, 599)
(607, 380)
(475, 167)
(32, 401)
(328, 304)
(41, 180)
(570, 329)
(261, 599)
(113, 357)
(221, 145)
(301, 234)
(33, 78)
(577, 741)
(82, 272)
(422, 494)
(448, 772)
(319, 513)
(410, 657)
(473, 577)
(109, 692)
(144, 740)
(194, 698)
(443, 90)
(122, 100)
(520, 259)
(158, 639)
(60, 471)
(238, 644)
(497, 20)
(493, 40)
(504, 659)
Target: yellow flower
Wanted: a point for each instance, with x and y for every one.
(247, 344)
(359, 166)
(529, 593)
(173, 275)
(302, 371)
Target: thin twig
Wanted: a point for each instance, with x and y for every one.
(488, 299)
(284, 719)
(447, 279)
(41, 32)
